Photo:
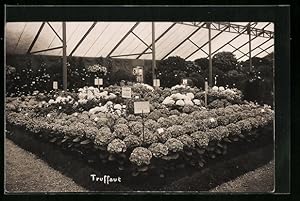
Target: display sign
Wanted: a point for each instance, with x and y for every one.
(141, 107)
(126, 92)
(55, 85)
(184, 81)
(98, 81)
(156, 82)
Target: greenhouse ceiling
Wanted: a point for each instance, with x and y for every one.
(132, 40)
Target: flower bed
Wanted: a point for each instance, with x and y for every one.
(187, 133)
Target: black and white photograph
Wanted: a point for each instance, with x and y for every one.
(139, 106)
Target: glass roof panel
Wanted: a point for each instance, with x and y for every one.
(13, 33)
(90, 40)
(112, 36)
(27, 37)
(184, 50)
(170, 40)
(105, 35)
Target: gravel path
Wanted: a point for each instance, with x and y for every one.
(259, 180)
(27, 173)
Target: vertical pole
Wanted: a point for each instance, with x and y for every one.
(153, 52)
(65, 83)
(206, 91)
(143, 126)
(250, 58)
(209, 54)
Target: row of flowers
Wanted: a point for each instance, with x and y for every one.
(163, 133)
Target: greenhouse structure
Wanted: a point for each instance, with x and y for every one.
(185, 106)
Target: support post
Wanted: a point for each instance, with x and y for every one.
(209, 55)
(65, 83)
(250, 58)
(153, 52)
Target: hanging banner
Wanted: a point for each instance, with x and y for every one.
(126, 92)
(141, 107)
(55, 85)
(156, 82)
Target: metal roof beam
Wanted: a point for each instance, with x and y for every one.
(124, 37)
(199, 27)
(264, 50)
(257, 47)
(251, 39)
(197, 46)
(36, 37)
(45, 50)
(164, 33)
(236, 28)
(55, 32)
(126, 55)
(228, 42)
(82, 39)
(206, 43)
(239, 50)
(141, 40)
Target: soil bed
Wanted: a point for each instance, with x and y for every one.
(241, 157)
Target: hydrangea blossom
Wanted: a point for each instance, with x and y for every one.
(140, 156)
(151, 124)
(158, 150)
(174, 145)
(187, 141)
(175, 130)
(116, 146)
(132, 141)
(234, 129)
(121, 130)
(223, 120)
(136, 127)
(91, 132)
(200, 138)
(104, 137)
(164, 122)
(148, 137)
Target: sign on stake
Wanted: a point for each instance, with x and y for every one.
(156, 82)
(126, 92)
(184, 81)
(141, 108)
(55, 85)
(98, 81)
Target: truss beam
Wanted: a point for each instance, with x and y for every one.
(83, 38)
(35, 38)
(164, 33)
(236, 28)
(124, 37)
(206, 43)
(183, 41)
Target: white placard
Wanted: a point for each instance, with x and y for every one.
(184, 81)
(141, 107)
(156, 82)
(206, 86)
(126, 92)
(55, 85)
(98, 81)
